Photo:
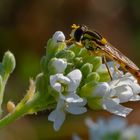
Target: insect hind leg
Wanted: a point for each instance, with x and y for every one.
(105, 61)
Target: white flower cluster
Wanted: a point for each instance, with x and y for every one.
(122, 88)
(114, 128)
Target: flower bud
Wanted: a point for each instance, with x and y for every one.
(86, 69)
(78, 61)
(95, 103)
(104, 76)
(9, 62)
(44, 64)
(10, 106)
(57, 65)
(1, 69)
(83, 53)
(1, 84)
(75, 49)
(59, 36)
(55, 44)
(41, 83)
(87, 90)
(95, 61)
(93, 76)
(67, 54)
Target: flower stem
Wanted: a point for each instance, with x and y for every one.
(19, 112)
(5, 78)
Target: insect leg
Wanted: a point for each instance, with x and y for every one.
(79, 44)
(116, 69)
(105, 61)
(69, 42)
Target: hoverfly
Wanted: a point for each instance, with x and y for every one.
(82, 36)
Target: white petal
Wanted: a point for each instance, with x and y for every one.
(103, 127)
(124, 93)
(130, 84)
(76, 109)
(60, 103)
(73, 97)
(98, 132)
(116, 124)
(112, 63)
(59, 36)
(125, 80)
(60, 65)
(130, 76)
(59, 120)
(57, 80)
(131, 133)
(75, 77)
(58, 77)
(135, 98)
(52, 116)
(101, 89)
(112, 93)
(53, 79)
(82, 102)
(117, 74)
(63, 79)
(136, 88)
(57, 87)
(92, 125)
(115, 108)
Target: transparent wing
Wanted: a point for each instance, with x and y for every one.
(116, 55)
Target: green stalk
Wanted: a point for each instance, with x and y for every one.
(19, 112)
(4, 81)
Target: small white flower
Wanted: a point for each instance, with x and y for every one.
(109, 101)
(69, 102)
(59, 65)
(126, 88)
(58, 80)
(113, 105)
(59, 36)
(72, 81)
(131, 133)
(74, 105)
(98, 130)
(118, 91)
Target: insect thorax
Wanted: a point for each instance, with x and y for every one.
(90, 45)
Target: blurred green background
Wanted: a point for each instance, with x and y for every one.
(26, 25)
